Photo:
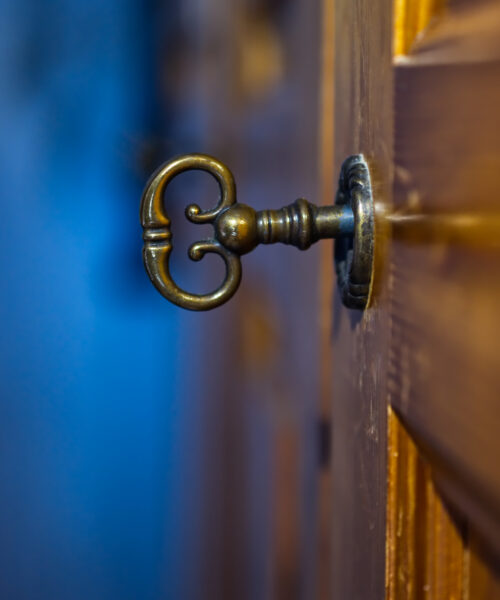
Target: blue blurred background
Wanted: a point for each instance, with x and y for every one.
(147, 452)
(93, 487)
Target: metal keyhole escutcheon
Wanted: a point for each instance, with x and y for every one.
(238, 229)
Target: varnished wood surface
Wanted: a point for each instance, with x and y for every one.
(443, 376)
(484, 584)
(427, 553)
(428, 344)
(445, 279)
(411, 18)
(363, 124)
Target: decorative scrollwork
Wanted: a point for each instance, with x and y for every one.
(158, 237)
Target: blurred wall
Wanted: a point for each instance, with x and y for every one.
(97, 454)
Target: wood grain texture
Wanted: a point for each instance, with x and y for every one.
(445, 261)
(428, 343)
(483, 583)
(427, 554)
(363, 124)
(411, 18)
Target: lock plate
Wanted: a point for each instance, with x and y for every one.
(354, 254)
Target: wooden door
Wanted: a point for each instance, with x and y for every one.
(409, 505)
(416, 377)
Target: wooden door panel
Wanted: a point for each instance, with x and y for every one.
(363, 124)
(413, 382)
(445, 259)
(428, 344)
(426, 554)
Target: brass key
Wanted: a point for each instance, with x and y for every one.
(239, 229)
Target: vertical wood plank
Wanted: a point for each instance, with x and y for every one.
(426, 546)
(411, 18)
(363, 124)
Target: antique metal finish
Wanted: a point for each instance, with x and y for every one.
(354, 254)
(239, 229)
